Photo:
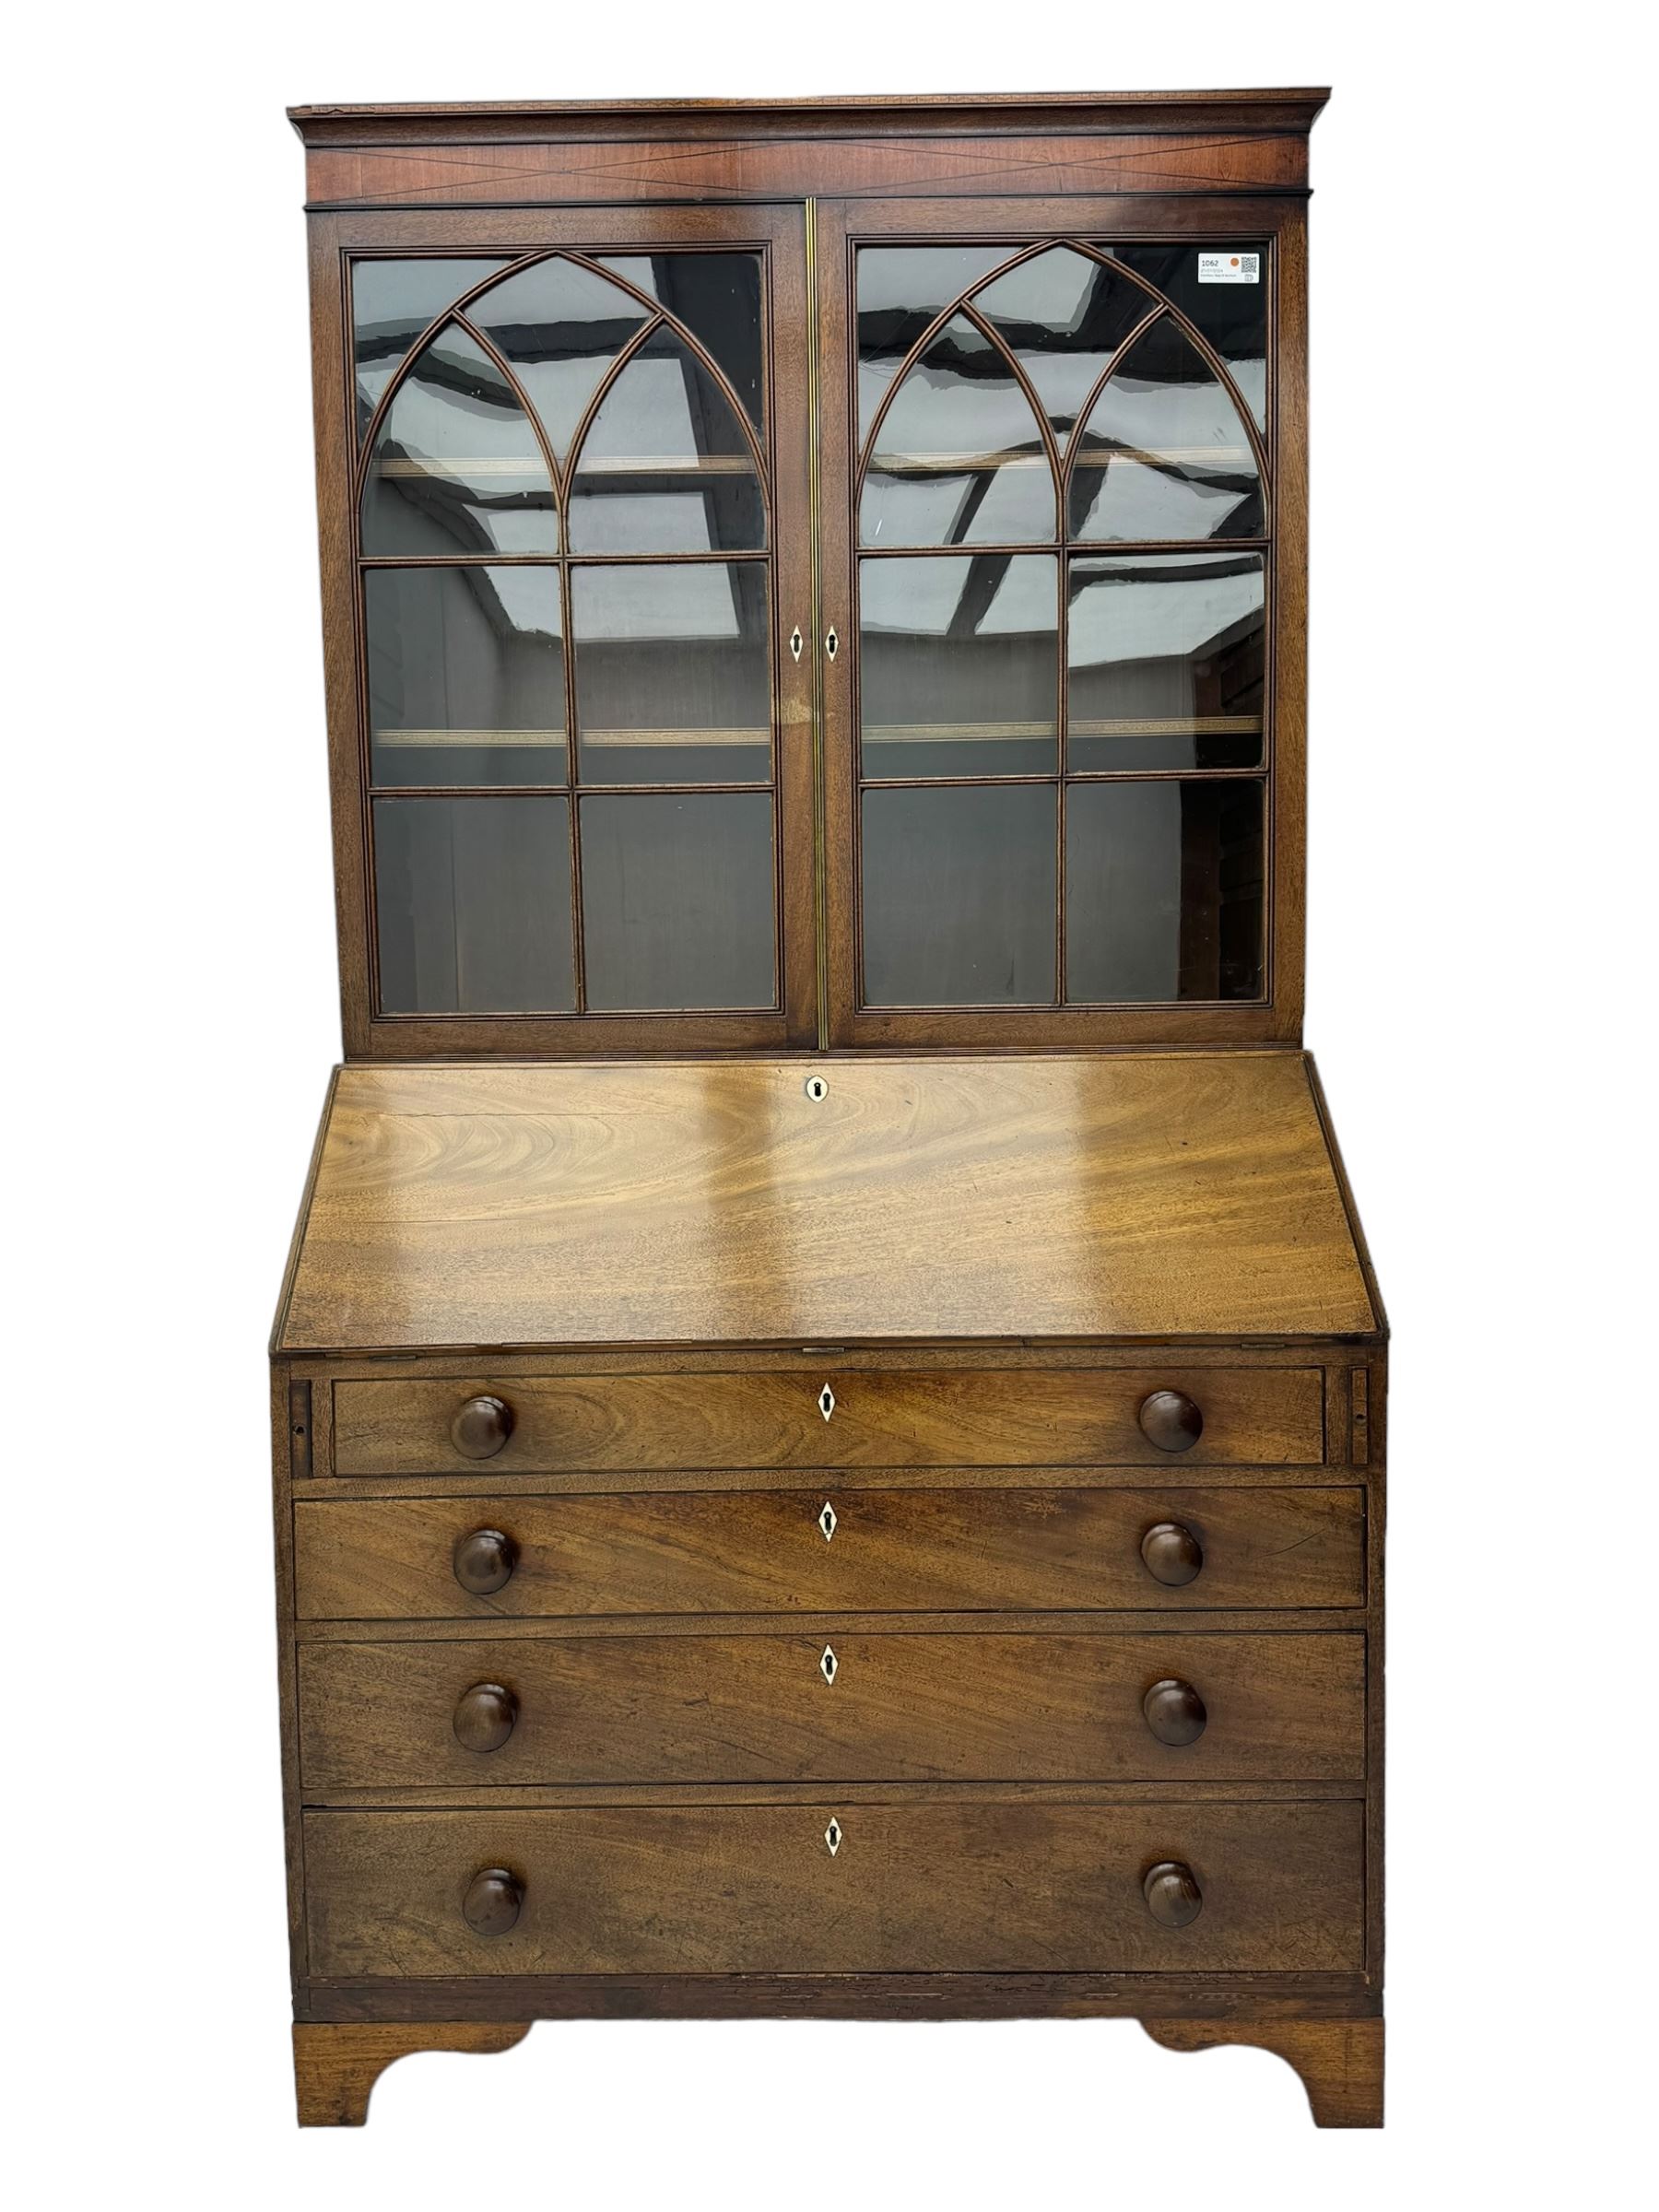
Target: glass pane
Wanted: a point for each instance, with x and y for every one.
(901, 289)
(465, 675)
(673, 678)
(677, 901)
(1063, 316)
(456, 467)
(1232, 315)
(1164, 453)
(717, 297)
(1163, 890)
(959, 894)
(1167, 654)
(665, 466)
(472, 900)
(559, 327)
(393, 303)
(958, 457)
(959, 665)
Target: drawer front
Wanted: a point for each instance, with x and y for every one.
(894, 1707)
(986, 1889)
(1007, 1417)
(874, 1551)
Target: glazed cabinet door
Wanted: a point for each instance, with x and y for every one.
(1063, 743)
(571, 449)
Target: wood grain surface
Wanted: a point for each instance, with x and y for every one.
(850, 1707)
(1179, 1196)
(450, 154)
(620, 167)
(826, 1416)
(438, 121)
(1340, 2061)
(757, 1551)
(953, 1887)
(336, 2065)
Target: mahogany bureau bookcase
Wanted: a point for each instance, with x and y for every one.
(829, 1394)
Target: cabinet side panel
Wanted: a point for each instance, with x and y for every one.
(283, 1442)
(1287, 345)
(331, 402)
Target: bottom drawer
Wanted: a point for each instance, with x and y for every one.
(957, 1888)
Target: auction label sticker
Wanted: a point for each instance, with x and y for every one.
(1229, 268)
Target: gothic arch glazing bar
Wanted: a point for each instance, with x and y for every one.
(501, 279)
(1119, 270)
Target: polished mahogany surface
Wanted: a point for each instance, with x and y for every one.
(1180, 1195)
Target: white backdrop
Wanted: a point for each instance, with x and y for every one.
(1482, 813)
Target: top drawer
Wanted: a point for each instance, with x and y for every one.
(807, 1417)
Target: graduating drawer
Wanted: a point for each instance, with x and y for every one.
(819, 1418)
(956, 1889)
(852, 1708)
(838, 1550)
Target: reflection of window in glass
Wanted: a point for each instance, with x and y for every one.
(673, 677)
(958, 457)
(901, 289)
(717, 297)
(1063, 316)
(665, 466)
(958, 673)
(1164, 453)
(465, 675)
(670, 661)
(392, 303)
(456, 466)
(559, 327)
(1161, 897)
(1230, 317)
(1167, 656)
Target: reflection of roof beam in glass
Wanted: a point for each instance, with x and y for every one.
(664, 465)
(1163, 453)
(960, 429)
(456, 466)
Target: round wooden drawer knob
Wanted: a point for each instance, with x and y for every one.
(481, 1426)
(1172, 1420)
(1172, 1554)
(484, 1561)
(1173, 1895)
(491, 1904)
(486, 1714)
(1174, 1712)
